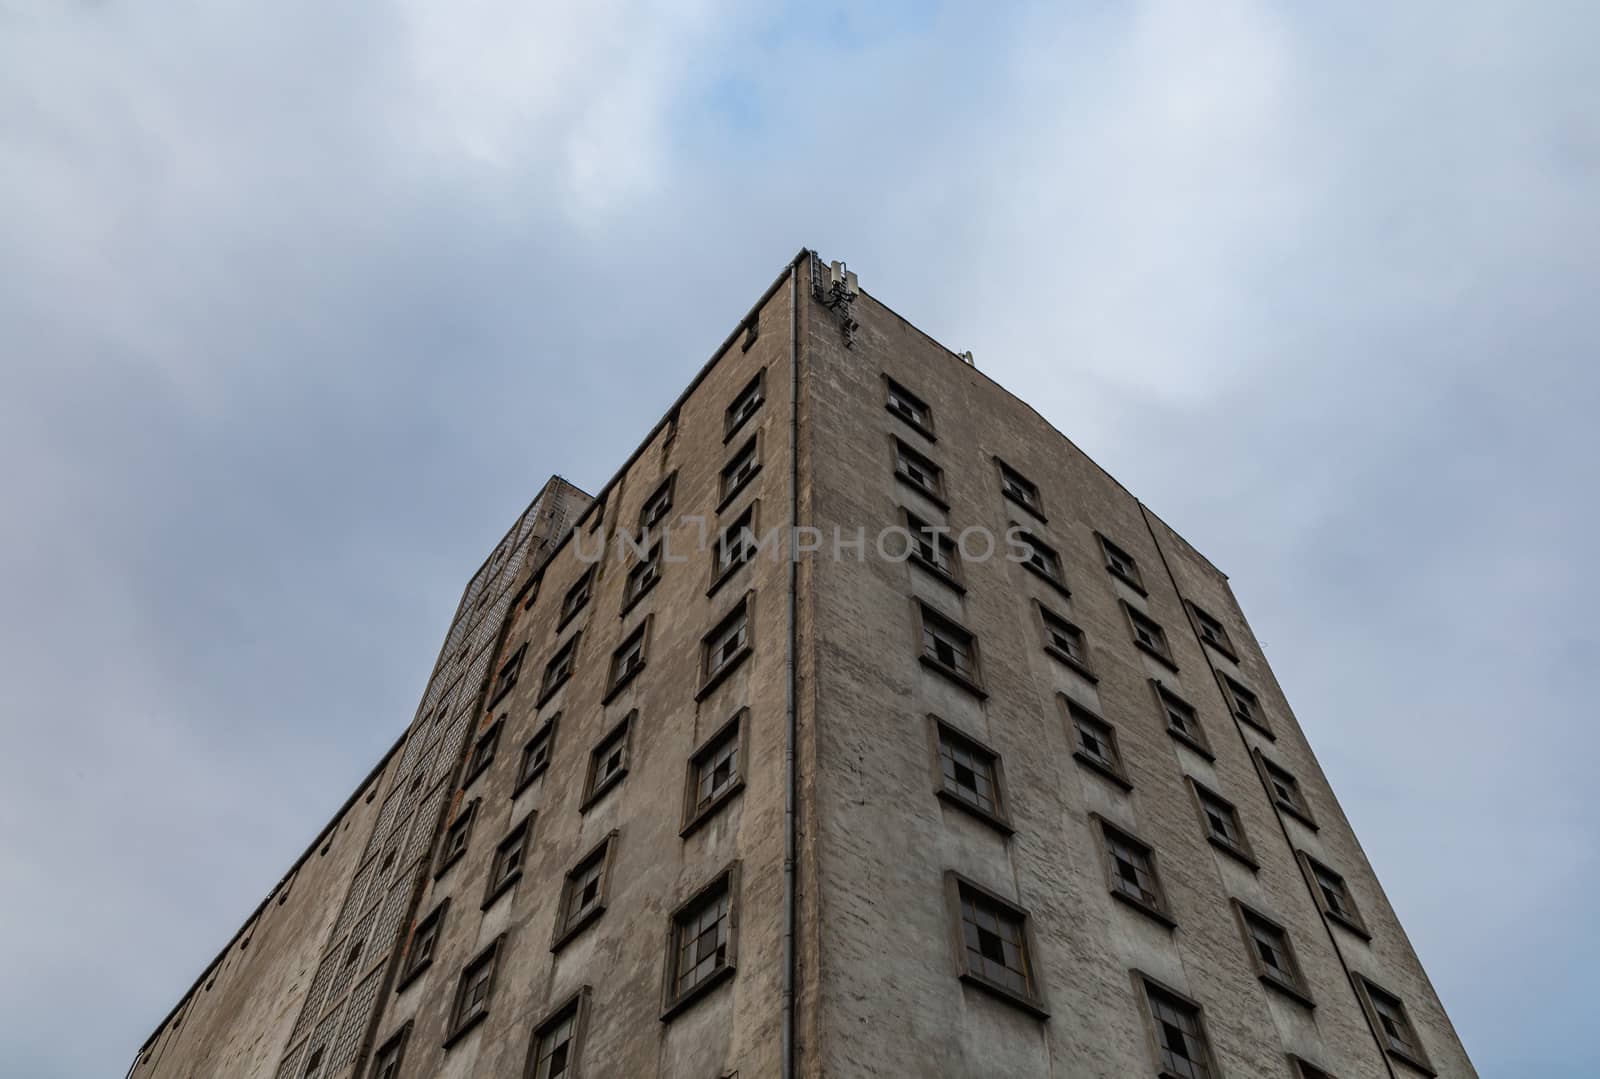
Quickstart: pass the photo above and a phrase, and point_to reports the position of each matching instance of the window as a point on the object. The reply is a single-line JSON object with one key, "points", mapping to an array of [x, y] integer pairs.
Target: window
{"points": [[471, 1003], [536, 754], [949, 649], [597, 513], [387, 1060], [1095, 742], [1149, 636], [1304, 1069], [1121, 564], [483, 751], [1178, 1031], [933, 549], [653, 514], [456, 837], [716, 773], [642, 577], [909, 407], [752, 330], [744, 406], [1272, 953], [419, 956], [740, 471], [1220, 820], [1213, 632], [1246, 705], [703, 943], [1019, 489], [1183, 722], [314, 1063], [1065, 641], [559, 669], [1132, 868], [531, 591], [1285, 791], [505, 869], [1388, 1014], [583, 896], [1333, 896], [969, 775], [628, 660], [1041, 558], [995, 949], [577, 598], [508, 675], [913, 468], [556, 1040], [725, 647], [608, 762], [736, 545]]}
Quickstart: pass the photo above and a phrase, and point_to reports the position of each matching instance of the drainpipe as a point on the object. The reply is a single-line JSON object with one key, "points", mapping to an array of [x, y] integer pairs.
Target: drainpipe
{"points": [[790, 792]]}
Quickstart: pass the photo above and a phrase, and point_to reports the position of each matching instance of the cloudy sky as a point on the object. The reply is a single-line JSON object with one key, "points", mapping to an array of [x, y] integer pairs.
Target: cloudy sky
{"points": [[301, 302]]}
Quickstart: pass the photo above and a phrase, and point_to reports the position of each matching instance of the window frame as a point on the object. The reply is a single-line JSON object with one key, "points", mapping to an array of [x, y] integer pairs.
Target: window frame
{"points": [[1304, 1069], [583, 588], [925, 614], [1197, 739], [651, 560], [1000, 817], [734, 417], [914, 523], [485, 748], [506, 679], [578, 1004], [1301, 810], [411, 969], [1365, 988], [523, 832], [1160, 909], [605, 854], [1035, 508], [694, 815], [1034, 1003], [1111, 553], [1231, 690], [1298, 988], [1203, 619], [893, 389], [1162, 655], [526, 774], [1353, 921], [720, 574], [466, 820], [903, 451], [395, 1043], [458, 1025], [1046, 553], [711, 678], [617, 681], [1241, 851], [729, 489], [1115, 770], [595, 788], [674, 1002], [1145, 989], [666, 489], [548, 686], [1044, 617]]}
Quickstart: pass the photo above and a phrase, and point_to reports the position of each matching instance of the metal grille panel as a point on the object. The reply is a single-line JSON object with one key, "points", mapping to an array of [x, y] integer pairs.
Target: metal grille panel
{"points": [[356, 1017]]}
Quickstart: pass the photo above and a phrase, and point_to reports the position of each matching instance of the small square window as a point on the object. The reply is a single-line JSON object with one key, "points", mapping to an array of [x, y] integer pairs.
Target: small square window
{"points": [[1019, 489], [1246, 705], [703, 943], [424, 939], [505, 869], [641, 578], [1213, 632], [1121, 564], [949, 648], [1095, 742], [995, 950], [1182, 721], [1066, 642], [628, 660], [913, 468], [456, 837], [507, 678], [536, 754], [1131, 865], [969, 775], [471, 1003], [558, 1039], [387, 1060], [1220, 819], [608, 763], [739, 471], [1149, 636], [725, 647], [1333, 896], [933, 549], [483, 751], [1272, 953], [744, 406], [909, 407], [1394, 1022], [653, 514], [577, 598], [1178, 1031], [716, 773], [736, 545], [583, 895], [1285, 791], [559, 669], [1039, 557]]}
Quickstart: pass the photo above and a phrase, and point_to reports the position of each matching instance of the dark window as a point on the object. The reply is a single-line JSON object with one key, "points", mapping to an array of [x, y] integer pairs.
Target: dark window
{"points": [[1148, 635], [1213, 632], [483, 751], [739, 471], [508, 675], [1182, 1048], [655, 509], [725, 646], [995, 950], [554, 1054], [1183, 722], [608, 763], [1120, 563], [1272, 953], [313, 1069], [736, 545], [1221, 821], [1132, 865], [387, 1060], [716, 772], [1064, 640], [909, 407], [536, 754], [1333, 896], [1304, 1069], [506, 867], [1095, 742], [583, 895], [457, 836], [629, 658], [949, 648], [1019, 489], [1040, 557], [1246, 705], [744, 406], [424, 938], [577, 597], [1399, 1036], [703, 943], [933, 548], [918, 471], [642, 577], [559, 669], [970, 774], [1285, 790], [472, 994]]}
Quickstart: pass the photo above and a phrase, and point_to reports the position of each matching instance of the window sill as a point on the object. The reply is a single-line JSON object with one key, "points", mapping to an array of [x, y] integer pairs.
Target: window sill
{"points": [[550, 691], [1129, 581], [1158, 655], [728, 435], [465, 1027], [711, 982], [993, 820], [925, 432], [444, 866], [611, 693], [1411, 1062], [602, 788], [501, 889], [955, 676], [643, 592], [932, 496], [501, 695], [1192, 742], [726, 575], [1296, 813], [702, 815], [1047, 579], [728, 498], [1287, 990], [1257, 726], [1220, 647], [1351, 924], [527, 781], [1072, 661], [1242, 857], [571, 931], [721, 673], [412, 975], [1152, 912], [944, 576], [1033, 1007], [1097, 765], [1033, 512], [566, 619], [472, 777]]}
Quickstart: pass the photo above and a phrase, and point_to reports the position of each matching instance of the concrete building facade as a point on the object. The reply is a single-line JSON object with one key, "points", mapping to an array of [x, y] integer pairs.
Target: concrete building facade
{"points": [[860, 726]]}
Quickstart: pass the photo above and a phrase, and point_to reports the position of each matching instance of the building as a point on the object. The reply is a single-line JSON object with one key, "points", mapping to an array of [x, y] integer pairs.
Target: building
{"points": [[990, 778]]}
